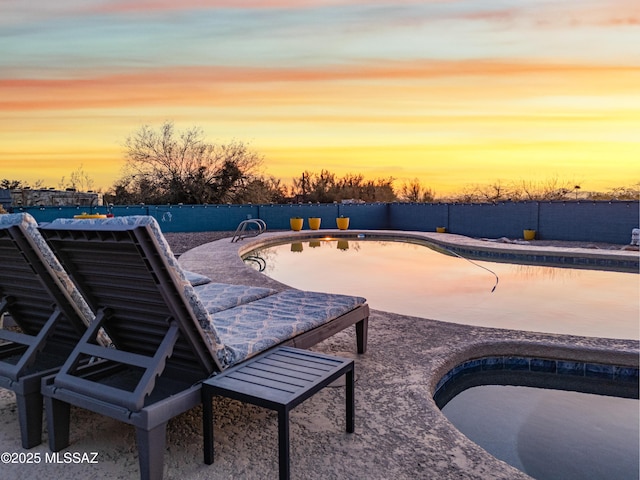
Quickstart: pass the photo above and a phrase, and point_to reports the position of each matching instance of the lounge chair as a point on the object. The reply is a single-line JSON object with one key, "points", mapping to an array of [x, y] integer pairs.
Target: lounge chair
{"points": [[170, 336], [49, 311]]}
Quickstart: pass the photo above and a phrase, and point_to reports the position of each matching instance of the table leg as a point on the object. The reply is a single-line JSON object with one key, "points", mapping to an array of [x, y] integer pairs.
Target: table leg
{"points": [[283, 443], [351, 400]]}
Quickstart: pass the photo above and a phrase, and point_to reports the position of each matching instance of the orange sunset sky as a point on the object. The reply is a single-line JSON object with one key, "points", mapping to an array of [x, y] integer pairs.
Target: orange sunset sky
{"points": [[453, 93]]}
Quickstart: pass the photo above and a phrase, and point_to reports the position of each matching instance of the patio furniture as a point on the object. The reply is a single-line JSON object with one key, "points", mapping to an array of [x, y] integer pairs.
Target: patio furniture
{"points": [[280, 380], [168, 339], [49, 311]]}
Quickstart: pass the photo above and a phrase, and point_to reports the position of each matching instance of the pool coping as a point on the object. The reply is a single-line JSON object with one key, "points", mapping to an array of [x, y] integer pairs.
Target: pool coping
{"points": [[444, 347], [224, 252]]}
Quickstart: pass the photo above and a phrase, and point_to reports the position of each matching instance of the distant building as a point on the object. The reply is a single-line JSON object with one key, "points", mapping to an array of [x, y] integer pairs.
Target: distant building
{"points": [[5, 199], [27, 197]]}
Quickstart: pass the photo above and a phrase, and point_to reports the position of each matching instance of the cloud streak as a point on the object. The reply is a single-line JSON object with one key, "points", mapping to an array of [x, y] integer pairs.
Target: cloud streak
{"points": [[216, 85]]}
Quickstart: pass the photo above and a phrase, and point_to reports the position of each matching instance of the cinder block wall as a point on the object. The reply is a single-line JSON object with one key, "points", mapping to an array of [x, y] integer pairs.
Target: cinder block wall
{"points": [[578, 221]]}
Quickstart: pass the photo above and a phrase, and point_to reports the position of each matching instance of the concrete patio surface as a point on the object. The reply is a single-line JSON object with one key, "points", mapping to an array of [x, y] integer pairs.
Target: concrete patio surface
{"points": [[400, 433]]}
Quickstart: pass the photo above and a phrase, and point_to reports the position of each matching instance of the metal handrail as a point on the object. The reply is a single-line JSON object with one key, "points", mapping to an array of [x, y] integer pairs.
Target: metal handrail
{"points": [[257, 260], [242, 232]]}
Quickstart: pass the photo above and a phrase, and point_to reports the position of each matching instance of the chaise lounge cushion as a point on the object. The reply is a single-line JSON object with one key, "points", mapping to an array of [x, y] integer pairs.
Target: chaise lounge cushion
{"points": [[256, 326], [221, 296], [196, 279]]}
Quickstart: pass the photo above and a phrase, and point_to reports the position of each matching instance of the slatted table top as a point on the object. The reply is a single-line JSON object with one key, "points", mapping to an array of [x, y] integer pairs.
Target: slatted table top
{"points": [[282, 377]]}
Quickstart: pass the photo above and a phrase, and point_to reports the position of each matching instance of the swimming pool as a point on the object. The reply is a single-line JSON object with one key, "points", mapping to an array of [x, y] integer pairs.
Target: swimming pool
{"points": [[551, 433], [423, 280], [549, 418]]}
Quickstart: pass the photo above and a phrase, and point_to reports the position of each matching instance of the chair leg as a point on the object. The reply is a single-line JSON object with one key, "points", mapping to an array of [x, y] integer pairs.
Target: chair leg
{"points": [[30, 417], [207, 427], [362, 330], [151, 446], [58, 416]]}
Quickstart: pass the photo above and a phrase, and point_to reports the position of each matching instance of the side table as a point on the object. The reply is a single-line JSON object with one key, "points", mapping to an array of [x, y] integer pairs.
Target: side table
{"points": [[280, 380]]}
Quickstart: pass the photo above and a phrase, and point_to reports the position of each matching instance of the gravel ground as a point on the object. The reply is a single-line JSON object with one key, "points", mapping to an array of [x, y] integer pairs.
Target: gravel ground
{"points": [[182, 242]]}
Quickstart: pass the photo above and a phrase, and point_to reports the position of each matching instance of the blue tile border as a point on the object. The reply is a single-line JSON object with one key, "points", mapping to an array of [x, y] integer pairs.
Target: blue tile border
{"points": [[570, 368], [544, 365], [517, 363], [555, 260], [599, 371], [625, 373], [492, 363]]}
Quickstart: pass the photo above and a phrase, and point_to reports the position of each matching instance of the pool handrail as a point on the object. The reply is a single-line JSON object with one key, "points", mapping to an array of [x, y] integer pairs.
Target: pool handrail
{"points": [[241, 230]]}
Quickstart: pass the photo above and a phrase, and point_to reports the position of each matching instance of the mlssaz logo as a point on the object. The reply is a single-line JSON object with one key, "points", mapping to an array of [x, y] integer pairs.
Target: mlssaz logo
{"points": [[71, 457]]}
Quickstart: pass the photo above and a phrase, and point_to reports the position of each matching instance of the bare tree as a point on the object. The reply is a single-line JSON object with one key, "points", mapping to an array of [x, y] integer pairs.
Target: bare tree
{"points": [[326, 187], [12, 184], [379, 190], [414, 192], [523, 190], [263, 190], [550, 189], [164, 166], [495, 192], [78, 180], [16, 184], [468, 194], [618, 193]]}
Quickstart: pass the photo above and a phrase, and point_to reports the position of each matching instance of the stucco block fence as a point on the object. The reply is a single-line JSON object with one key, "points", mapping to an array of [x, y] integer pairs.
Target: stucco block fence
{"points": [[573, 221]]}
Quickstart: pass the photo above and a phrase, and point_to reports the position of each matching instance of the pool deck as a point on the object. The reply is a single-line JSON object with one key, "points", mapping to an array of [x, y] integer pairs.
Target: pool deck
{"points": [[400, 433]]}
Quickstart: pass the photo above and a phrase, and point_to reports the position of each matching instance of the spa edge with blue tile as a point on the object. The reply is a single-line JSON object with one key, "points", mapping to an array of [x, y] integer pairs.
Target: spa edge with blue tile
{"points": [[541, 365]]}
